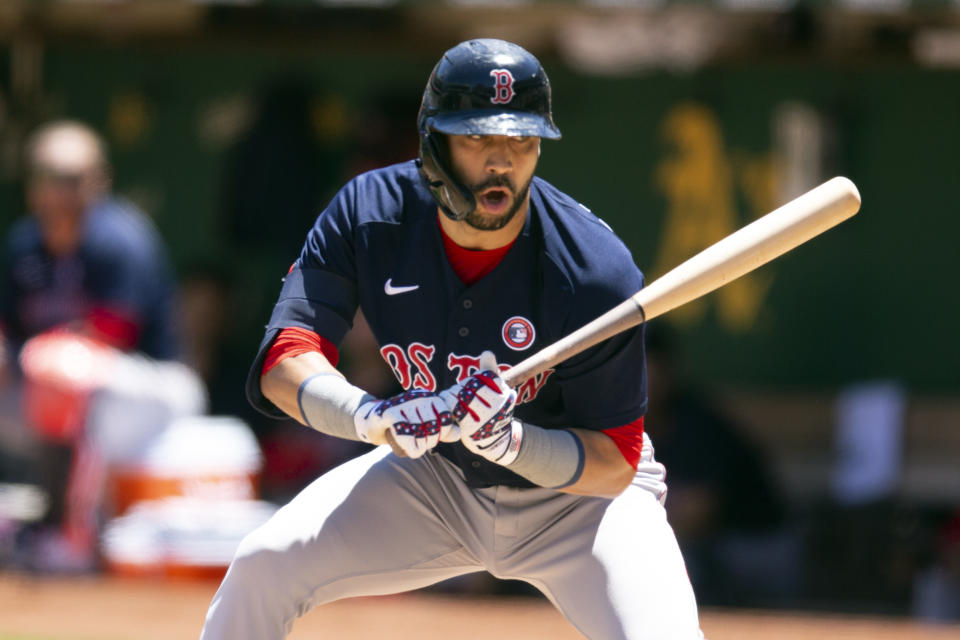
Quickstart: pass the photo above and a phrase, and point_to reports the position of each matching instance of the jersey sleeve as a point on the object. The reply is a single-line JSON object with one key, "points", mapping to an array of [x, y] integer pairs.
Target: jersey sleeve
{"points": [[123, 271], [319, 293], [130, 282]]}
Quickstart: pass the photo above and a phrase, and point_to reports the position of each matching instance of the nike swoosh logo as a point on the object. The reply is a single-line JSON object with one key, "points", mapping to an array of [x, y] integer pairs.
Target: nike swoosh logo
{"points": [[391, 290]]}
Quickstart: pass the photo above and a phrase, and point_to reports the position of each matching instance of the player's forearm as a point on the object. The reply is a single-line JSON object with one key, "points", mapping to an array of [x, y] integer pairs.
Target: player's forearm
{"points": [[282, 383], [606, 473], [570, 460], [308, 388]]}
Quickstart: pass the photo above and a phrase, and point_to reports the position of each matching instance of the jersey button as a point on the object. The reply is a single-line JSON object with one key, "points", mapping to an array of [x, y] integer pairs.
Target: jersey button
{"points": [[468, 304], [464, 332], [475, 464]]}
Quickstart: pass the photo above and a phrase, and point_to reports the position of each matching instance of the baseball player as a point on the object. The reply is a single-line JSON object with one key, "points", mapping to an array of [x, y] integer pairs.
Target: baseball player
{"points": [[83, 262], [84, 258], [463, 262]]}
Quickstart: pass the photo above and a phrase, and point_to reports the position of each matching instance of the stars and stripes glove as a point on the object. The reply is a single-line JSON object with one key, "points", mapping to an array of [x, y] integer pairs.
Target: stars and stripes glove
{"points": [[417, 419], [484, 411]]}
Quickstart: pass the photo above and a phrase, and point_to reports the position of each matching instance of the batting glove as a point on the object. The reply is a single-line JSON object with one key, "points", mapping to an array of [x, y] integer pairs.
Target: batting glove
{"points": [[484, 411], [416, 419]]}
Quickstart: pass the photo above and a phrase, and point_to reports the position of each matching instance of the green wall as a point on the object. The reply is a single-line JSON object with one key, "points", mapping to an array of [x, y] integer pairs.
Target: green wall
{"points": [[874, 297]]}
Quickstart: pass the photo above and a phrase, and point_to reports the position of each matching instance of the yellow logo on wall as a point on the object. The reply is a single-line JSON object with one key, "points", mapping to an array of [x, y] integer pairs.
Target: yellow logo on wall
{"points": [[702, 180], [128, 118]]}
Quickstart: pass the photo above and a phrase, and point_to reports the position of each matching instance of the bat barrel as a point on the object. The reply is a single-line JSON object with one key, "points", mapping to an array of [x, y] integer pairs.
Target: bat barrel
{"points": [[739, 253], [764, 239]]}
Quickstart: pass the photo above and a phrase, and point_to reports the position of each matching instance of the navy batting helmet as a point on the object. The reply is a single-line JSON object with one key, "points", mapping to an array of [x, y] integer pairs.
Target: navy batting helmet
{"points": [[479, 87]]}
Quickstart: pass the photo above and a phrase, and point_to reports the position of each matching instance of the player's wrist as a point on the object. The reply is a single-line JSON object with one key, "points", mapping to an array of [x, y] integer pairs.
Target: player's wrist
{"points": [[506, 447], [329, 404], [365, 423], [483, 408], [550, 458]]}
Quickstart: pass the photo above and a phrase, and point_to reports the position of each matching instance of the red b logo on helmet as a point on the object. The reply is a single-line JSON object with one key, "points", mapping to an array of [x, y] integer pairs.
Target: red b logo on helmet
{"points": [[502, 86]]}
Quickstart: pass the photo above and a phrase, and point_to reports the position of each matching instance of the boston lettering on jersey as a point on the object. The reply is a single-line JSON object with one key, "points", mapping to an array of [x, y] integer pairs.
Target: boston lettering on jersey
{"points": [[411, 366], [378, 246]]}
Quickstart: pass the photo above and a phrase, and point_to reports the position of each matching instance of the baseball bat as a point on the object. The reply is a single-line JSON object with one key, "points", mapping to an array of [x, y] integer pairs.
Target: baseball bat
{"points": [[764, 239]]}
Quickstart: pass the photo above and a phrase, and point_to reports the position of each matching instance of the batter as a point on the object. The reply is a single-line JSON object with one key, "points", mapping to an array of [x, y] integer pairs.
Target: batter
{"points": [[463, 263]]}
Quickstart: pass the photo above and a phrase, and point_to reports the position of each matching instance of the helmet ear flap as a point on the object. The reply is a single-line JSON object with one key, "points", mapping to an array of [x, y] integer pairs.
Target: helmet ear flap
{"points": [[455, 200]]}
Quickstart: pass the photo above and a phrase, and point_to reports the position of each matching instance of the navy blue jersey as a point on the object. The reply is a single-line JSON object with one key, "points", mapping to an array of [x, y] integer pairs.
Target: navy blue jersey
{"points": [[120, 265], [378, 245]]}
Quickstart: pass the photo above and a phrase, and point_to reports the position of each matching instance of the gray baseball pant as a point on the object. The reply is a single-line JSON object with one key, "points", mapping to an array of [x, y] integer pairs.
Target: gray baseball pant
{"points": [[380, 524]]}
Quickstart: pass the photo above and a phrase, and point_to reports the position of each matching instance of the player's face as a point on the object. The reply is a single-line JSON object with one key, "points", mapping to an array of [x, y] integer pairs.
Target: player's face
{"points": [[58, 202], [498, 169]]}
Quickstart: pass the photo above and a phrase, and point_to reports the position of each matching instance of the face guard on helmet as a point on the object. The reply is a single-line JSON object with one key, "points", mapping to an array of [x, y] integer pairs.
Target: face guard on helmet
{"points": [[479, 87]]}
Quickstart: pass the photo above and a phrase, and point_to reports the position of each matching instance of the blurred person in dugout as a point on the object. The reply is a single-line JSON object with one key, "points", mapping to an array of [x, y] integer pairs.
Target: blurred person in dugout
{"points": [[88, 372], [936, 588], [724, 505]]}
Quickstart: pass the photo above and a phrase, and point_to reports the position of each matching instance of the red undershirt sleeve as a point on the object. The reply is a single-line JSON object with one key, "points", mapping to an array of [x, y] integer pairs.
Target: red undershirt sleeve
{"points": [[629, 439], [113, 327], [294, 341]]}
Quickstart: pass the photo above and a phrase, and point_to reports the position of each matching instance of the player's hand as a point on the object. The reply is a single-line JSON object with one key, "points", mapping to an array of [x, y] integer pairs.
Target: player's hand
{"points": [[484, 411], [411, 422]]}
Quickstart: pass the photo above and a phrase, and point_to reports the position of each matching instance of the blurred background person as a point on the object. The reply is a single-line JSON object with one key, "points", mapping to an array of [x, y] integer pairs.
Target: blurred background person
{"points": [[723, 503], [83, 257], [283, 169], [84, 277], [274, 180], [936, 593]]}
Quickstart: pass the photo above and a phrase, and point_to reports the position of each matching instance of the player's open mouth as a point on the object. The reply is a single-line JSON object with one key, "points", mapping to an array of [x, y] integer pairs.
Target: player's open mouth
{"points": [[495, 200]]}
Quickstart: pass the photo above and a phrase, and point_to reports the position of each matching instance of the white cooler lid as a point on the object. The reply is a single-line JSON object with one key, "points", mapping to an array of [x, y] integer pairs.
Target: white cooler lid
{"points": [[198, 445]]}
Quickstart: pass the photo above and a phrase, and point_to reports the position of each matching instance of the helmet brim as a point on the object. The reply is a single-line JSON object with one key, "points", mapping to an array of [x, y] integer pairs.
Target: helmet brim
{"points": [[495, 123]]}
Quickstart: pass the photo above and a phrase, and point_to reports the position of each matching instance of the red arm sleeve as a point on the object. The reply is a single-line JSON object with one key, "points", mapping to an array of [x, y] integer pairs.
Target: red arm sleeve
{"points": [[293, 341], [629, 439]]}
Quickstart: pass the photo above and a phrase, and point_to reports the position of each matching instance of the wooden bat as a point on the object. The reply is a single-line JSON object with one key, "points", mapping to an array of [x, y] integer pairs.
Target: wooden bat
{"points": [[741, 252], [756, 244]]}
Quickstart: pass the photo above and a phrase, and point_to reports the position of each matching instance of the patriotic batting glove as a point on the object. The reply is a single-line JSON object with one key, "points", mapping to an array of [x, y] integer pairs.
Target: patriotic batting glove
{"points": [[417, 419], [484, 411]]}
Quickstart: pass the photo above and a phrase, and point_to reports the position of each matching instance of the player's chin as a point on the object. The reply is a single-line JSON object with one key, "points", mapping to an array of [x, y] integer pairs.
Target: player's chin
{"points": [[492, 216], [484, 221]]}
